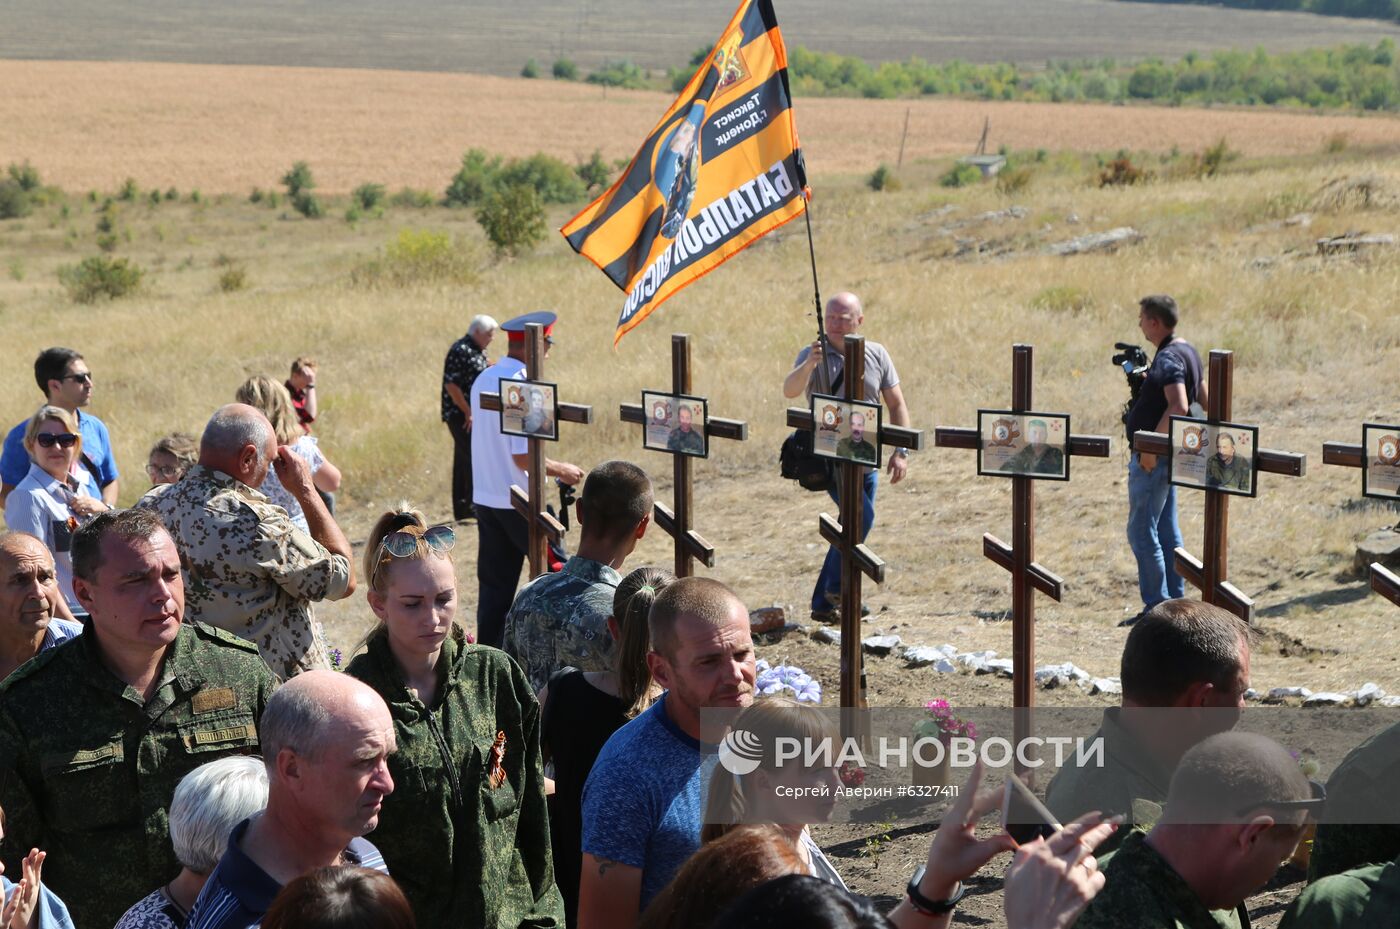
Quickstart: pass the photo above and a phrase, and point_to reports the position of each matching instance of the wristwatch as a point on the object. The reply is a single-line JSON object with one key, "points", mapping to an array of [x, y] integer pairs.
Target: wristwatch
{"points": [[902, 452], [931, 907]]}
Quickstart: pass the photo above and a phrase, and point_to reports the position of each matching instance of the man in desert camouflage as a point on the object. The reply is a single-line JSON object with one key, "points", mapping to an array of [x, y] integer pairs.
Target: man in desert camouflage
{"points": [[96, 733], [248, 570]]}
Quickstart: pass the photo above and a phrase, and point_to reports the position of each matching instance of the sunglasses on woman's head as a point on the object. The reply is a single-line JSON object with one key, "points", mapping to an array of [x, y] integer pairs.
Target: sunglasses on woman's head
{"points": [[61, 439], [403, 544]]}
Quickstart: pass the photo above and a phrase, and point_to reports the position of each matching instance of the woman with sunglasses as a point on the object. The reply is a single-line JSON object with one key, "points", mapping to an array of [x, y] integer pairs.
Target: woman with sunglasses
{"points": [[465, 832], [57, 495]]}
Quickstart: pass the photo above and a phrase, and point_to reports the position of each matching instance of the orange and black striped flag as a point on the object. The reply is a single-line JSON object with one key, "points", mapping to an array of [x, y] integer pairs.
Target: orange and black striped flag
{"points": [[720, 169]]}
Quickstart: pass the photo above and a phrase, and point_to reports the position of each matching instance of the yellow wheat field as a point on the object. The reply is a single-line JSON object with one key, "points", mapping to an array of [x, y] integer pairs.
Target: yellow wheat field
{"points": [[227, 128]]}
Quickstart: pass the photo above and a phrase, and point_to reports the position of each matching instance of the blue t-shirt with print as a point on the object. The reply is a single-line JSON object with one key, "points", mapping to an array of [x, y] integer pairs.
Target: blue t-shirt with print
{"points": [[644, 802]]}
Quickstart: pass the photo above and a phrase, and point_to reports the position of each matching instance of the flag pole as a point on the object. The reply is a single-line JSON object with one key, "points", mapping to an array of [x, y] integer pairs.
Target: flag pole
{"points": [[817, 294]]}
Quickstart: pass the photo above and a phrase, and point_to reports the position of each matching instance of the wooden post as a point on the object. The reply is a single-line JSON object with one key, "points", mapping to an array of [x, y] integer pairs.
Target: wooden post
{"points": [[1211, 574], [544, 528], [1027, 575], [857, 560], [689, 544], [1385, 582]]}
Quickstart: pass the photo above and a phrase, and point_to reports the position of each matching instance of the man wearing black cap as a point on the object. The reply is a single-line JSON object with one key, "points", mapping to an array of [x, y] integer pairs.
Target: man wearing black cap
{"points": [[498, 461]]}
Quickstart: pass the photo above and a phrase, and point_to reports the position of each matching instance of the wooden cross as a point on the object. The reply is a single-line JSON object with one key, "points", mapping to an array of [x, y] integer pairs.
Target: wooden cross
{"points": [[1210, 575], [1350, 455], [1027, 575], [544, 528], [689, 544], [856, 558]]}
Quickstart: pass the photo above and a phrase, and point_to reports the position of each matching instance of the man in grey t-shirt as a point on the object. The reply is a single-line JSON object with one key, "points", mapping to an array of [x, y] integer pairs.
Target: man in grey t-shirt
{"points": [[820, 372]]}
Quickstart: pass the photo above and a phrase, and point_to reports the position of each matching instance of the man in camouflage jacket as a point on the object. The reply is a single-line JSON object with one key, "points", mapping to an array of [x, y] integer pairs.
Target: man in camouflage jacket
{"points": [[96, 733], [248, 570]]}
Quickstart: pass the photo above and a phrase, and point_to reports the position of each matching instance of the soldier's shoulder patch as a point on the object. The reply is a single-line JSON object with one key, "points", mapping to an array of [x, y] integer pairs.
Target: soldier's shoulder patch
{"points": [[211, 699], [219, 636]]}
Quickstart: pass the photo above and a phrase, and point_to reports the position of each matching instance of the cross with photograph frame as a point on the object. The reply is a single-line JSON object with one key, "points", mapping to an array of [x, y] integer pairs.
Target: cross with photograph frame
{"points": [[857, 560], [1352, 455], [689, 544], [544, 527], [1210, 575], [1027, 575]]}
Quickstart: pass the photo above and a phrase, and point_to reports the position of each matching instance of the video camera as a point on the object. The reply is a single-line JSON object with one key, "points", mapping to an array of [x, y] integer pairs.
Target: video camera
{"points": [[1133, 360], [567, 495]]}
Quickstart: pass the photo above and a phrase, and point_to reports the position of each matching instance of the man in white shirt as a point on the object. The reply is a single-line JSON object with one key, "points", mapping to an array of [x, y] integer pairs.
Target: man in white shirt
{"points": [[498, 461]]}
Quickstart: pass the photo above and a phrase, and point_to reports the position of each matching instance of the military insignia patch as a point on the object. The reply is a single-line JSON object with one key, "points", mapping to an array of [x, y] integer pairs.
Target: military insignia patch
{"points": [[496, 773], [211, 699]]}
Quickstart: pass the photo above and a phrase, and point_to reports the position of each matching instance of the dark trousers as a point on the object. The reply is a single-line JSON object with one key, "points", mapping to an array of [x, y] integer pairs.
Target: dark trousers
{"points": [[461, 469], [503, 544]]}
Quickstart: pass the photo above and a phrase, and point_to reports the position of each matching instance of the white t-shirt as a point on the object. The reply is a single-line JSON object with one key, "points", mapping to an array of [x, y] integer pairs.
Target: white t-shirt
{"points": [[306, 449], [493, 469]]}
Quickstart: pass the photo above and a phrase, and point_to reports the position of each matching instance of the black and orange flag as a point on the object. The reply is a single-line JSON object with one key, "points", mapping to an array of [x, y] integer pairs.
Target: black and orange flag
{"points": [[720, 169]]}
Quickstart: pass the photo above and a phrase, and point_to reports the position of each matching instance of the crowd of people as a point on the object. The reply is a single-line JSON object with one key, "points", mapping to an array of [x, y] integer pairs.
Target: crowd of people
{"points": [[179, 746]]}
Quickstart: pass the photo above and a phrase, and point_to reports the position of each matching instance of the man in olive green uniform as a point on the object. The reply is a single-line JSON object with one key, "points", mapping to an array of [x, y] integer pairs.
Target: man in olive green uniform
{"points": [[1363, 809], [685, 437], [96, 733], [855, 447], [1225, 468], [1184, 671], [1235, 809], [1356, 899]]}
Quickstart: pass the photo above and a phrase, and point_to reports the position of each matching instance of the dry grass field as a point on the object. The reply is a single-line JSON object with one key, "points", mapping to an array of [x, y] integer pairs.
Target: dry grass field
{"points": [[227, 129], [498, 37]]}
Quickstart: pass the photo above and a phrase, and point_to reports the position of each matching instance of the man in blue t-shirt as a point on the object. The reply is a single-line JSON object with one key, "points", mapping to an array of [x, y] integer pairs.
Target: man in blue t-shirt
{"points": [[1173, 383], [66, 381], [643, 804]]}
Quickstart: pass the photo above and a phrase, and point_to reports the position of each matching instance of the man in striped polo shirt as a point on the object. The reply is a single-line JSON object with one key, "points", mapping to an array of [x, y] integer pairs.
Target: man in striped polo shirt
{"points": [[326, 741]]}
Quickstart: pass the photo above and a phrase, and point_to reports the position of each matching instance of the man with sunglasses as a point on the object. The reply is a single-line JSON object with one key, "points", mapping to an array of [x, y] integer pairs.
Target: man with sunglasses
{"points": [[1235, 811], [66, 382]]}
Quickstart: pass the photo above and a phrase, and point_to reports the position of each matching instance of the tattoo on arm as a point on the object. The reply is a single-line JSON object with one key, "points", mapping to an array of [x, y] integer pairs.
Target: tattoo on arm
{"points": [[604, 865]]}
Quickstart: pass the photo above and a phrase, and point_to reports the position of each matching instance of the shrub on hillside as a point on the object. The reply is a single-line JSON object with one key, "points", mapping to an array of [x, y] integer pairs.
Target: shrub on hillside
{"points": [[368, 197], [26, 176], [1121, 172], [298, 179], [961, 175], [474, 179], [513, 217], [882, 178], [553, 180], [1012, 181], [595, 172], [565, 70], [531, 70], [1209, 162], [417, 257], [619, 74], [307, 205], [128, 191], [14, 200], [100, 277], [172, 194], [233, 278], [410, 198]]}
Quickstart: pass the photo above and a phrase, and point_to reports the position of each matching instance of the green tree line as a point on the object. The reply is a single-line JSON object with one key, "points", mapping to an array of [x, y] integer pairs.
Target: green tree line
{"points": [[1349, 77], [1362, 9]]}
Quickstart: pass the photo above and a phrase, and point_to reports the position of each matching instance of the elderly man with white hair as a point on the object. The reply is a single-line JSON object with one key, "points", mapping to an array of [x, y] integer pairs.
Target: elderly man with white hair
{"points": [[209, 802], [326, 742], [248, 569], [465, 360]]}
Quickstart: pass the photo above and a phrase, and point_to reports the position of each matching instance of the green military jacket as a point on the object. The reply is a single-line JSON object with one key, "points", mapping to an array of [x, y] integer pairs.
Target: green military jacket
{"points": [[466, 854], [1359, 899], [1363, 809], [1131, 781], [1143, 892], [88, 770]]}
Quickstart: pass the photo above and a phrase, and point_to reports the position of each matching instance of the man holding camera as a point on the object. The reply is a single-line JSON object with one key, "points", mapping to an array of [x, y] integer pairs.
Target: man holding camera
{"points": [[1173, 382]]}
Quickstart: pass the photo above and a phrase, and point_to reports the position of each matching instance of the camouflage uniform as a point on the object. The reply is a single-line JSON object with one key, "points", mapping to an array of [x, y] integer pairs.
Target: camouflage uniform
{"points": [[87, 769], [248, 569], [561, 619], [1130, 782], [465, 854], [1363, 810], [1357, 899], [1142, 891]]}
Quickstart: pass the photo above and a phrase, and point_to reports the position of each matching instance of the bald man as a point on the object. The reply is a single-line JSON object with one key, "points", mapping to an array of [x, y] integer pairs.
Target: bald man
{"points": [[818, 371], [30, 602], [326, 741], [248, 569]]}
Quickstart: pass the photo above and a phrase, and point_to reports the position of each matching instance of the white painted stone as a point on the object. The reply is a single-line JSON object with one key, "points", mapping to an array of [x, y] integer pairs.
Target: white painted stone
{"points": [[1284, 693], [1326, 699], [1368, 693], [1001, 666], [921, 656], [1389, 701], [880, 645], [1105, 685], [829, 636]]}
